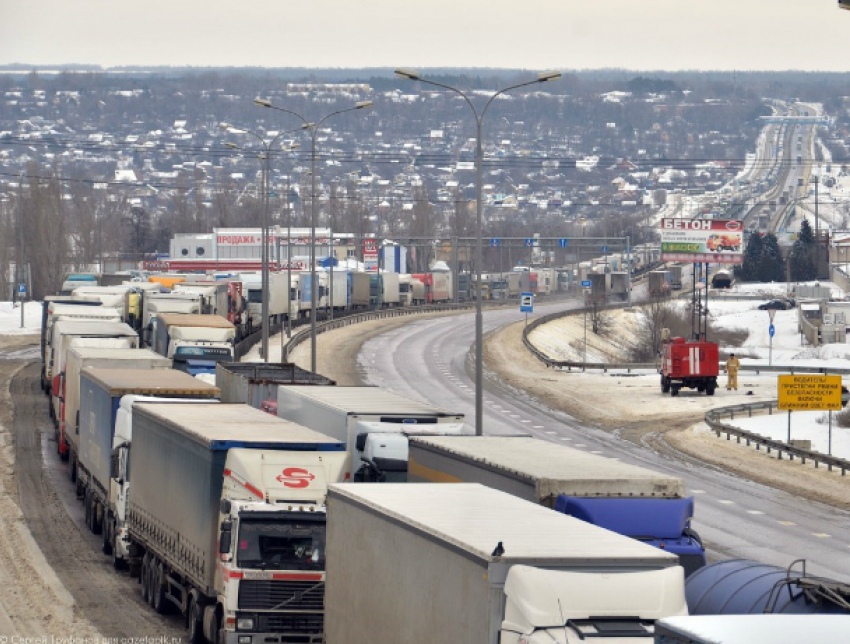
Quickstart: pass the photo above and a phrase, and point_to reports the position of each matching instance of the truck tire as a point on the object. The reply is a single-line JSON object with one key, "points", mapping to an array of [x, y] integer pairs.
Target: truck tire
{"points": [[709, 389], [193, 622], [674, 390], [159, 602], [72, 470], [87, 509], [665, 385], [96, 516], [143, 577], [106, 536]]}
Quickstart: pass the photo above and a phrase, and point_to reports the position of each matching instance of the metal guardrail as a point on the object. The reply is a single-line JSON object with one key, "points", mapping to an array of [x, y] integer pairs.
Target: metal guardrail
{"points": [[712, 419]]}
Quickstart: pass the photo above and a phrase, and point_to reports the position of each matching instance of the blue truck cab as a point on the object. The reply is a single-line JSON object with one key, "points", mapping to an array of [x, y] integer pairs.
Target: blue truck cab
{"points": [[663, 523]]}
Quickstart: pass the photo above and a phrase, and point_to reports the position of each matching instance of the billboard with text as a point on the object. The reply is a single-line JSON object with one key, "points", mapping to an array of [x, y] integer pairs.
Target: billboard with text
{"points": [[716, 241]]}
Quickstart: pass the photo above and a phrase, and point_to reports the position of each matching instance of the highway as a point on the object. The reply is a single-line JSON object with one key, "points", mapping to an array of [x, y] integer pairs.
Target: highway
{"points": [[737, 518]]}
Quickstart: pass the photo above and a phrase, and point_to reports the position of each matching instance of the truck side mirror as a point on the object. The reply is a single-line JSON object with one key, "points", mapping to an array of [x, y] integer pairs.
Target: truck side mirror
{"points": [[225, 506], [226, 537], [360, 441]]}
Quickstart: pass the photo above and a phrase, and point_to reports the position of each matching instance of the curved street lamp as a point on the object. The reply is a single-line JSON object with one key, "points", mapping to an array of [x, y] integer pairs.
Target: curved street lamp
{"points": [[264, 102], [265, 159], [542, 77]]}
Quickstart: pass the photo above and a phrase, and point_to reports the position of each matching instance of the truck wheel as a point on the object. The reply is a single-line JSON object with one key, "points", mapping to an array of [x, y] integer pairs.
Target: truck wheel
{"points": [[693, 534], [674, 391], [96, 517], [106, 537], [144, 578], [709, 390], [87, 509], [72, 471], [159, 602], [193, 622], [665, 385]]}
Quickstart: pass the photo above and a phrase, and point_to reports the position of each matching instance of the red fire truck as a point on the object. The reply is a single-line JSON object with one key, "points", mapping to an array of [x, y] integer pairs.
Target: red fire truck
{"points": [[691, 364]]}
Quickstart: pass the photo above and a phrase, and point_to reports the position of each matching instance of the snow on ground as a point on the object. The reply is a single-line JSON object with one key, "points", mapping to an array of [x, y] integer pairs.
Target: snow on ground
{"points": [[10, 318], [805, 425]]}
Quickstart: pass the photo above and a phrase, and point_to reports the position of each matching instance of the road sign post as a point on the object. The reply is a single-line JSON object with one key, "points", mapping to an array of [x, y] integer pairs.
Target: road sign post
{"points": [[22, 294], [771, 330]]}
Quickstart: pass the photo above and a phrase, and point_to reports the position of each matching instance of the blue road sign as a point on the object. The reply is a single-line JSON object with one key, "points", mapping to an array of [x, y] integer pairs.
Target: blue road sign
{"points": [[604, 249], [526, 303], [529, 242], [771, 330], [586, 283], [495, 242], [562, 243], [22, 289]]}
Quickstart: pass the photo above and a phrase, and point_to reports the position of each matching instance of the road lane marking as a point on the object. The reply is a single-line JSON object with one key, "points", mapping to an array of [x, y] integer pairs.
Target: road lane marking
{"points": [[596, 451], [580, 445], [786, 523], [726, 502], [525, 421], [697, 491], [537, 426], [754, 512], [551, 433], [821, 535]]}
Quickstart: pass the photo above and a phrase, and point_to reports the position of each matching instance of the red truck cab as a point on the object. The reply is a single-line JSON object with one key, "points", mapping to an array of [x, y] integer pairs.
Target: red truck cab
{"points": [[691, 364]]}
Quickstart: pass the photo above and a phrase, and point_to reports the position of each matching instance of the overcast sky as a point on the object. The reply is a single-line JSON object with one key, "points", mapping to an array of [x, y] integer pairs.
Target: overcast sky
{"points": [[531, 34]]}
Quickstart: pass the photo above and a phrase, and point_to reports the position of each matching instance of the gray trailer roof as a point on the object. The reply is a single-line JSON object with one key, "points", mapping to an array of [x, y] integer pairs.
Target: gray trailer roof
{"points": [[195, 320], [473, 519], [366, 400], [93, 327], [220, 426], [118, 353], [555, 469], [149, 381]]}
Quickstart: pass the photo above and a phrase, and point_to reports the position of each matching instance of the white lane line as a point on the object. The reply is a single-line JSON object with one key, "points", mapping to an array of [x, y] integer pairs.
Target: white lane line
{"points": [[596, 451], [537, 426], [525, 421], [697, 491], [725, 502], [786, 523], [551, 433], [821, 535], [505, 411], [754, 512], [580, 445]]}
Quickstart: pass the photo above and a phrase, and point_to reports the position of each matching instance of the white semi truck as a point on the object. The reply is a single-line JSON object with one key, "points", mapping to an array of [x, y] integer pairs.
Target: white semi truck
{"points": [[194, 342], [465, 563], [227, 520], [374, 423]]}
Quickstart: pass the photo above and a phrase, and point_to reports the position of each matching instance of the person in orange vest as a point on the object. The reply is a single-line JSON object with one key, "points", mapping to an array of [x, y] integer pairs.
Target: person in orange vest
{"points": [[732, 366]]}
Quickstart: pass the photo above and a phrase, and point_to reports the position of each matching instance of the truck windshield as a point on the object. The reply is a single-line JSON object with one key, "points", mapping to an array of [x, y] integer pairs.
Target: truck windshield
{"points": [[202, 353], [279, 545]]}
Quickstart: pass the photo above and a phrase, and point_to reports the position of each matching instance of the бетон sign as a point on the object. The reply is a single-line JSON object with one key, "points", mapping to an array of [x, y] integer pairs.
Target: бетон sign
{"points": [[718, 241]]}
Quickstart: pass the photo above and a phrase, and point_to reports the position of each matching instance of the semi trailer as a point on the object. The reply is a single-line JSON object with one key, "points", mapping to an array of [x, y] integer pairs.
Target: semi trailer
{"points": [[466, 563], [630, 500], [194, 342], [227, 520], [374, 423]]}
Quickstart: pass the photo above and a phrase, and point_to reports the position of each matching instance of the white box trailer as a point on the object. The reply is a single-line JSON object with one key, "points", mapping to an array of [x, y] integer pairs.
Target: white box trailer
{"points": [[465, 563], [78, 359], [374, 423], [390, 286], [339, 287]]}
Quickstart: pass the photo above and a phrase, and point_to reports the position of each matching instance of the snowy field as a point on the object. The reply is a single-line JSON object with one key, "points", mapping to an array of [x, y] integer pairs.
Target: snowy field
{"points": [[10, 318], [805, 425]]}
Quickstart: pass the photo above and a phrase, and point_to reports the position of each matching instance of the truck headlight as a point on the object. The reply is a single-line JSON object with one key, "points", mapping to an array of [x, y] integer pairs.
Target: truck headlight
{"points": [[245, 624]]}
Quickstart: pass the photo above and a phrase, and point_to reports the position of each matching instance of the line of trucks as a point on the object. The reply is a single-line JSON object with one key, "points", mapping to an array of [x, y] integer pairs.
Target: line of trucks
{"points": [[275, 506]]}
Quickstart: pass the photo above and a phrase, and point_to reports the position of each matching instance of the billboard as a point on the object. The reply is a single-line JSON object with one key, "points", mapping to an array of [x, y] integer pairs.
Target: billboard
{"points": [[717, 241], [813, 392]]}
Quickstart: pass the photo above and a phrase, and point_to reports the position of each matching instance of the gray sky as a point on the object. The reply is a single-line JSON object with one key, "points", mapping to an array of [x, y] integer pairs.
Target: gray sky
{"points": [[532, 34]]}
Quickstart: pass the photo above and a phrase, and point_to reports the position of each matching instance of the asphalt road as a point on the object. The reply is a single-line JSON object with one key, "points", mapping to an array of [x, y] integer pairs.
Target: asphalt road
{"points": [[737, 518]]}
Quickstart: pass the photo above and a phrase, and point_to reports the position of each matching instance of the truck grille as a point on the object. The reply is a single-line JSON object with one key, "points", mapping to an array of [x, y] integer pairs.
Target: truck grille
{"points": [[262, 594], [303, 623]]}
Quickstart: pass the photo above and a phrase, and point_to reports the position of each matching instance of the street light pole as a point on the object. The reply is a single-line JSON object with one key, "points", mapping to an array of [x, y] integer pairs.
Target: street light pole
{"points": [[265, 158], [543, 77], [314, 127]]}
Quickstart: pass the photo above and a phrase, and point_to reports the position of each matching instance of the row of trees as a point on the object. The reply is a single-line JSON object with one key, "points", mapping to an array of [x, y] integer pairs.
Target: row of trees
{"points": [[763, 260]]}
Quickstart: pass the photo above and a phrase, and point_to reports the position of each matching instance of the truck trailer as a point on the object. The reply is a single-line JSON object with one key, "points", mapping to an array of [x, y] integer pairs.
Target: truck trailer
{"points": [[466, 563], [227, 520], [753, 629], [256, 383], [194, 342], [627, 499], [374, 423], [92, 455], [68, 406]]}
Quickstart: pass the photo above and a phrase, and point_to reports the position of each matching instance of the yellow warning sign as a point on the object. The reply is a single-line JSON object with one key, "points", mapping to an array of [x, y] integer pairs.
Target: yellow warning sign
{"points": [[812, 392]]}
